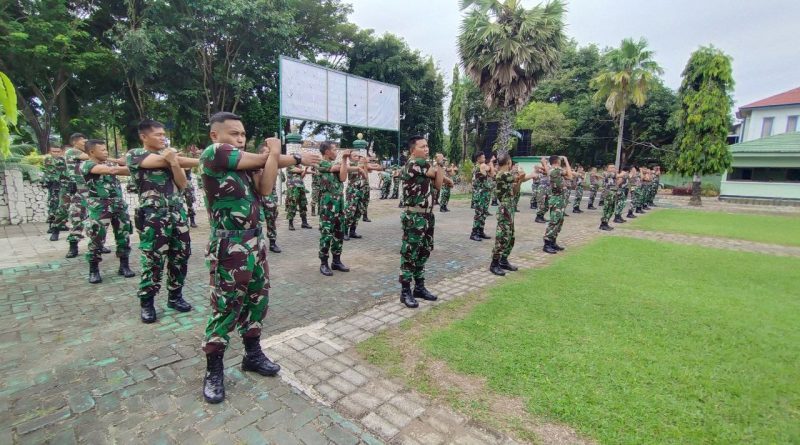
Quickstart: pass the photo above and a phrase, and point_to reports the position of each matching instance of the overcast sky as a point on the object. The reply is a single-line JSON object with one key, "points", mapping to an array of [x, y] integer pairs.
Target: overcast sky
{"points": [[761, 36]]}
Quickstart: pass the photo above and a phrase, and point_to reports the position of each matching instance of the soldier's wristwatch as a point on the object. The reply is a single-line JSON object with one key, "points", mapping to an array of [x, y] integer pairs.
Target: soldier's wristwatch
{"points": [[297, 158]]}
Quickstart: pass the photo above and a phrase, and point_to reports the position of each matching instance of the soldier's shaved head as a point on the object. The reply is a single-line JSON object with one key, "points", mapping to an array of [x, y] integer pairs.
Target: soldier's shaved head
{"points": [[227, 128]]}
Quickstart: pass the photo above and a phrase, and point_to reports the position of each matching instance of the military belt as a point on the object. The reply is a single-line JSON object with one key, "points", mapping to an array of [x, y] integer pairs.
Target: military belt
{"points": [[248, 233], [419, 209]]}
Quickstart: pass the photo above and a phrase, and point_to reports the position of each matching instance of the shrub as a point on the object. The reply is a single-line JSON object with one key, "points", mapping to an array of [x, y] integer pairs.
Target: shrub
{"points": [[682, 191], [466, 171], [709, 190]]}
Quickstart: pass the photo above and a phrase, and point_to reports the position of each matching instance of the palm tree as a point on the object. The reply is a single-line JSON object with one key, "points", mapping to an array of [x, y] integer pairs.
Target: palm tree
{"points": [[507, 49], [629, 73]]}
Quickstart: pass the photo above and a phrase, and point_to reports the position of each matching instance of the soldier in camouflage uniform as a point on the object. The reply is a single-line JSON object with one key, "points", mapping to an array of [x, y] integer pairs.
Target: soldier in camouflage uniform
{"points": [[535, 187], [53, 169], [508, 182], [422, 180], [76, 191], [579, 178], [543, 195], [367, 189], [355, 197], [634, 190], [610, 182], [296, 201], [332, 220], [444, 196], [269, 204], [385, 184], [190, 197], [105, 206], [621, 195], [594, 183], [557, 175], [158, 175], [482, 195], [395, 181], [234, 181], [314, 189]]}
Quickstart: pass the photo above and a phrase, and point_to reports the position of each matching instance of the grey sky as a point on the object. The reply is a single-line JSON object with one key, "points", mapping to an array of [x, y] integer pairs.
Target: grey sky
{"points": [[761, 36]]}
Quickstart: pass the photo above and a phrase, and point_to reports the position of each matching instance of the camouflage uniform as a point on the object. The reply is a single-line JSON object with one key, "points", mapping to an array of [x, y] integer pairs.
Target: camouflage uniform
{"points": [[622, 195], [543, 196], [367, 191], [106, 206], [535, 191], [610, 190], [189, 194], [481, 195], [314, 193], [386, 184], [331, 211], [162, 226], [444, 194], [355, 198], [555, 204], [417, 220], [395, 183], [504, 236], [593, 186], [51, 178], [269, 204], [296, 201], [77, 193], [568, 184], [236, 255], [635, 191], [578, 191], [655, 186]]}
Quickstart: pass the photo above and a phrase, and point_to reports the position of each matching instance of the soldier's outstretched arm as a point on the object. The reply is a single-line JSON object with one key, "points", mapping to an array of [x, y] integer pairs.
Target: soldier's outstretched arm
{"points": [[345, 167], [266, 182]]}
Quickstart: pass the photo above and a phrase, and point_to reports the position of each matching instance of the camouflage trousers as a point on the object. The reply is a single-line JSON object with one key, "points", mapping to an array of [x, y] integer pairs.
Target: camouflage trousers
{"points": [[444, 196], [482, 199], [356, 205], [190, 198], [331, 224], [77, 216], [535, 193], [556, 206], [395, 188], [239, 280], [53, 195], [417, 244], [621, 198], [542, 197], [386, 189], [314, 199], [101, 214], [296, 202], [516, 201], [565, 199], [636, 196], [578, 197], [62, 210], [609, 205], [163, 238], [504, 236], [271, 218], [604, 194], [592, 194]]}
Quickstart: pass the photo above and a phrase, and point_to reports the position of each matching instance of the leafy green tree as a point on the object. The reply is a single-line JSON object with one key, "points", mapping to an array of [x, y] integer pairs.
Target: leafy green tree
{"points": [[455, 114], [507, 50], [550, 129], [8, 113], [704, 116], [629, 73]]}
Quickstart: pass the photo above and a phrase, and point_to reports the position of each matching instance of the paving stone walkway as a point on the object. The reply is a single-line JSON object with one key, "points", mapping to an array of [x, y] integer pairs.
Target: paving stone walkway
{"points": [[79, 367]]}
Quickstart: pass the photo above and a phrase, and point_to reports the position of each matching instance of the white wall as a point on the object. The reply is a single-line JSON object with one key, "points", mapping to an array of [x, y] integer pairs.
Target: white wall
{"points": [[753, 122]]}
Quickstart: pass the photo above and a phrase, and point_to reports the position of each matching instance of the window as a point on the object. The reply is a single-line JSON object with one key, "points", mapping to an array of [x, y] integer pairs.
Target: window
{"points": [[765, 174], [766, 127], [791, 124]]}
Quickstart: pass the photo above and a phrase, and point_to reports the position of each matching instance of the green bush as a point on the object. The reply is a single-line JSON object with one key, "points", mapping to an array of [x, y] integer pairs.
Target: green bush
{"points": [[466, 171], [33, 158], [709, 190]]}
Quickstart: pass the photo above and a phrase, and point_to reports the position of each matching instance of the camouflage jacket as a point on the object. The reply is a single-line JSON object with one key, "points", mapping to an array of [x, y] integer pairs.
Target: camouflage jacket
{"points": [[417, 186], [155, 186], [53, 169], [609, 181], [294, 179], [102, 188], [355, 180], [329, 183], [230, 194], [505, 188], [556, 181], [73, 174], [480, 182]]}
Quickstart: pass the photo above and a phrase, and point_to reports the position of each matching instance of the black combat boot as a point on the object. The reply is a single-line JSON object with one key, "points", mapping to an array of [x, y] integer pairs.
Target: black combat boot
{"points": [[273, 246], [214, 381], [305, 224], [556, 246], [639, 210], [618, 219], [366, 218], [645, 207], [254, 359], [474, 236], [540, 219], [54, 235], [94, 272], [124, 267], [148, 312], [630, 214], [483, 235], [421, 292], [192, 224], [601, 203], [323, 267], [291, 224], [105, 250], [591, 206], [175, 301], [406, 297], [337, 264], [73, 249], [533, 205], [346, 236], [353, 233], [606, 227], [504, 264], [576, 210], [548, 247], [495, 268]]}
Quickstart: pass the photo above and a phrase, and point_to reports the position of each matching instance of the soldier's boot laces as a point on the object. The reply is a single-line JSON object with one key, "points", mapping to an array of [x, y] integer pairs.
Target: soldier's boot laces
{"points": [[73, 249], [291, 224], [630, 214], [323, 267], [214, 381], [337, 264], [105, 250], [148, 312], [305, 224], [606, 227], [504, 264], [353, 233], [406, 297], [176, 301], [474, 236], [548, 247], [124, 267], [540, 219], [421, 292], [483, 235], [192, 224], [618, 219], [366, 218], [254, 359], [273, 246], [94, 272], [495, 268]]}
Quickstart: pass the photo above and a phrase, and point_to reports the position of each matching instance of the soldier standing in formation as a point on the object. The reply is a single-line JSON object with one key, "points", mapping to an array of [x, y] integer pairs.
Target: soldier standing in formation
{"points": [[621, 195], [396, 171], [634, 188], [355, 196], [332, 221], [543, 195], [105, 206], [314, 189], [481, 182], [610, 181], [422, 180], [53, 171], [159, 178], [535, 187], [190, 197], [557, 175], [385, 183], [76, 192], [594, 183], [296, 201], [444, 196], [508, 184], [579, 178]]}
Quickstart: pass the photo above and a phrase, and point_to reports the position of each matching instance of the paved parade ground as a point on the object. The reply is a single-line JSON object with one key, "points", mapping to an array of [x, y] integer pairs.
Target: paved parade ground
{"points": [[79, 366]]}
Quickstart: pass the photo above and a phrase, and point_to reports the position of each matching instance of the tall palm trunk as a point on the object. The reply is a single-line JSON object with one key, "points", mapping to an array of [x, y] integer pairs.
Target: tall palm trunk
{"points": [[619, 139], [504, 131], [695, 199]]}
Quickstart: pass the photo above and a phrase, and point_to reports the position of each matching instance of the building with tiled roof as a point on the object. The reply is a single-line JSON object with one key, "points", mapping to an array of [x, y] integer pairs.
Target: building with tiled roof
{"points": [[770, 116]]}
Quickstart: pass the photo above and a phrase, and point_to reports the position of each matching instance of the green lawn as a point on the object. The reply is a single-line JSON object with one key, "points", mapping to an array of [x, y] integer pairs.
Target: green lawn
{"points": [[640, 342], [761, 228]]}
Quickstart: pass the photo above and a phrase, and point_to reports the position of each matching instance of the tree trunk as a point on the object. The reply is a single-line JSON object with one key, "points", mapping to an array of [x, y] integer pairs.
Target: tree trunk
{"points": [[619, 139], [503, 132], [695, 200]]}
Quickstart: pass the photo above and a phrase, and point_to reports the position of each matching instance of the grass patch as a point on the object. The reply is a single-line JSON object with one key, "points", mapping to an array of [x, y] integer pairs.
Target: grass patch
{"points": [[631, 349], [772, 229]]}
